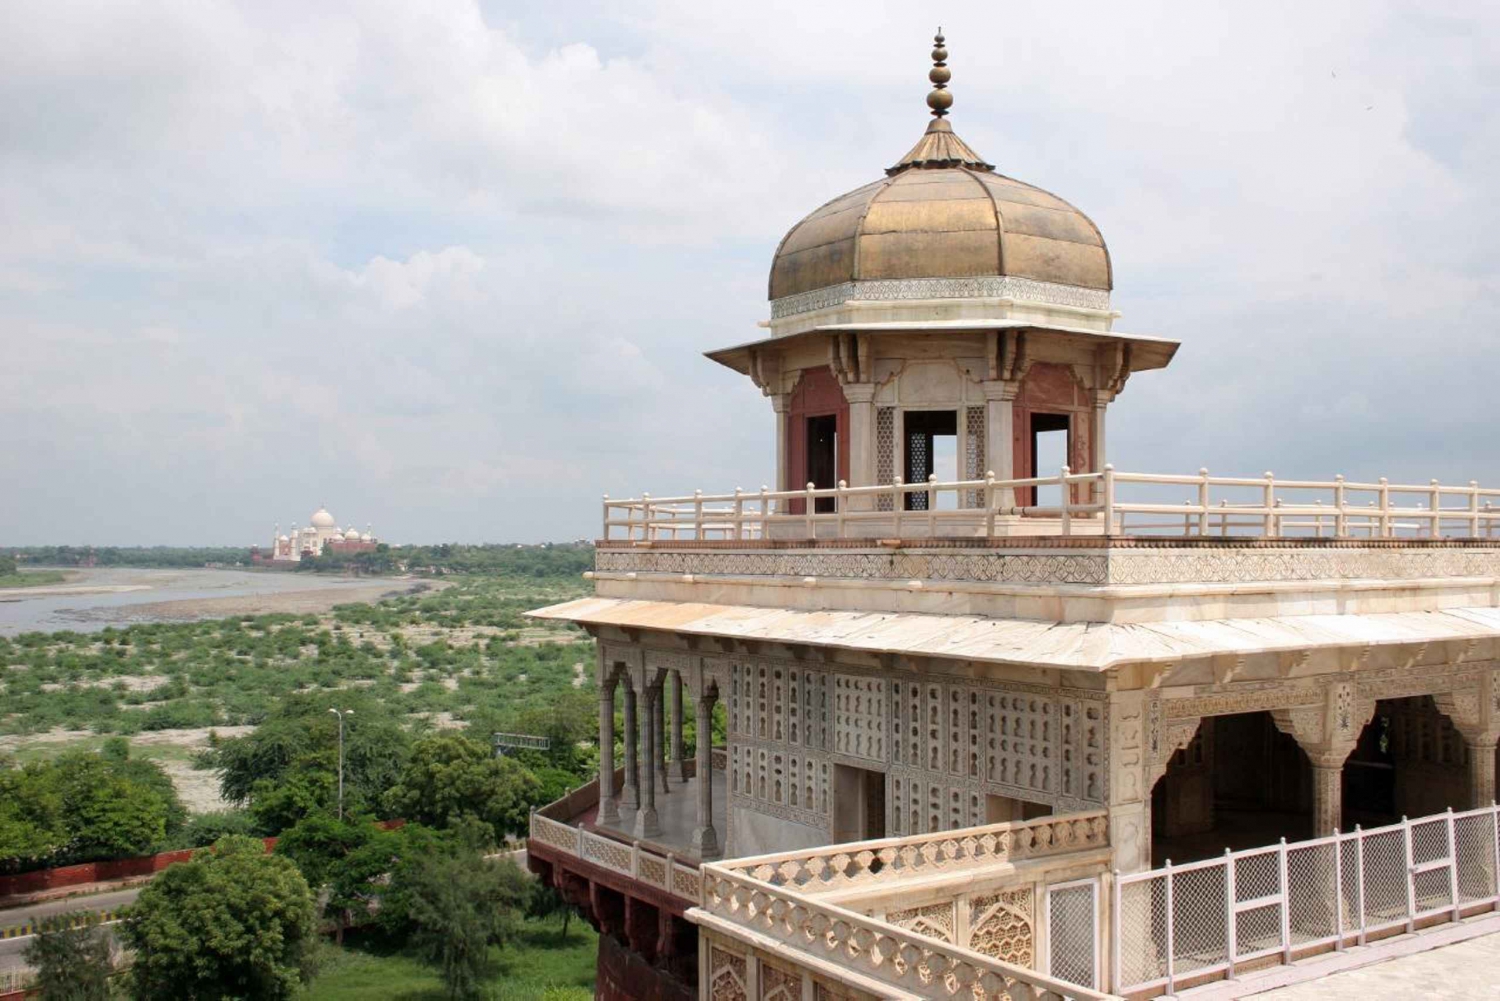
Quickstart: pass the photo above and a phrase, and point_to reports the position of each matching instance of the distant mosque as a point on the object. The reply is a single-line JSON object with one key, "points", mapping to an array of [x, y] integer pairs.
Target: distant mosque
{"points": [[321, 535]]}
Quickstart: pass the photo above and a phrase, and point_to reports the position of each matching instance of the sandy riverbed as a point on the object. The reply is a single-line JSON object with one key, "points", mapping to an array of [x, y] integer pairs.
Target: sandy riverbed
{"points": [[296, 602]]}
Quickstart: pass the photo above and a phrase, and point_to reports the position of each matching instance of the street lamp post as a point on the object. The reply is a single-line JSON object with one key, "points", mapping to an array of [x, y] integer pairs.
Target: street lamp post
{"points": [[341, 714]]}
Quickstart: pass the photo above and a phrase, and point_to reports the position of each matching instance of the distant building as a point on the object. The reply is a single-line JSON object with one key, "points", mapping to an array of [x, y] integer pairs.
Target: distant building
{"points": [[322, 534]]}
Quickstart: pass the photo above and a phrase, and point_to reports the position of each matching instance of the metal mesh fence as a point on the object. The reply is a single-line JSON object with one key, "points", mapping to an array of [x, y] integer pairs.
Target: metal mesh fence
{"points": [[1072, 927], [1474, 842], [1287, 896], [1384, 877], [1311, 874], [1198, 919], [1141, 926]]}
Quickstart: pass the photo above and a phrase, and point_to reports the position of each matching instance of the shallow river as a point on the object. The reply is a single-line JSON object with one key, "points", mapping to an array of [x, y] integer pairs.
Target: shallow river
{"points": [[92, 599]]}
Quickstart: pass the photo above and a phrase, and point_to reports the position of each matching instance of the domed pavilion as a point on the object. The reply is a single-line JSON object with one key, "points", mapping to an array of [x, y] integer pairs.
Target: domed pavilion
{"points": [[944, 320]]}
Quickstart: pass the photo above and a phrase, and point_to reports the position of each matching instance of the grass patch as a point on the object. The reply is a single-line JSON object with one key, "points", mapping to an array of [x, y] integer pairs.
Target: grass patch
{"points": [[539, 965], [32, 578]]}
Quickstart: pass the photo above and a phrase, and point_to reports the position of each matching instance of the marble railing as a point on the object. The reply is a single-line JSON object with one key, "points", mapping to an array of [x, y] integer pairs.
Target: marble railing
{"points": [[662, 871], [843, 867], [1090, 503], [914, 964]]}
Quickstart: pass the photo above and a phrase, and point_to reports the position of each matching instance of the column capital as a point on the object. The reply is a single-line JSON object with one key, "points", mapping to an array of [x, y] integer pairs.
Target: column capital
{"points": [[859, 392], [1001, 389]]}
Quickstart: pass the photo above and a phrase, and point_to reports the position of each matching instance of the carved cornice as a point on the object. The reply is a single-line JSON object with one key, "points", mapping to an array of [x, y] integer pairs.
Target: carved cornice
{"points": [[898, 289]]}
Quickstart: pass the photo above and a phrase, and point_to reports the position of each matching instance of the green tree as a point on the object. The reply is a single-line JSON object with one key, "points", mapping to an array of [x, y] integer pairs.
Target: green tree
{"points": [[108, 815], [451, 776], [299, 737], [232, 923], [31, 814], [71, 956], [347, 858], [452, 904]]}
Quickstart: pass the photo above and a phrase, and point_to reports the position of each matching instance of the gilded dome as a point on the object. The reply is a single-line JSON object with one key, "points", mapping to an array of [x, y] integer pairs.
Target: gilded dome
{"points": [[941, 212]]}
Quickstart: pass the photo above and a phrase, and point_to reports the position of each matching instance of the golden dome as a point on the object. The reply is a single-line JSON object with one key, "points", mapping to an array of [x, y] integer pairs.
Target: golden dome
{"points": [[941, 212]]}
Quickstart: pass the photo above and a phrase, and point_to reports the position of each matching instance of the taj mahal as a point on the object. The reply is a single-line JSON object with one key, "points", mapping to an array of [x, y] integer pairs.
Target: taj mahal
{"points": [[322, 534], [1027, 727]]}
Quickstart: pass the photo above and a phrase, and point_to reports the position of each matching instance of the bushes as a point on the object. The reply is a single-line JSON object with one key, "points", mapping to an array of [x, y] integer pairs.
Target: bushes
{"points": [[84, 807]]}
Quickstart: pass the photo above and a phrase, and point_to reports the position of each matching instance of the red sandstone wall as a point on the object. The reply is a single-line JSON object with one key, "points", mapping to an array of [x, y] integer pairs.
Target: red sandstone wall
{"points": [[621, 975]]}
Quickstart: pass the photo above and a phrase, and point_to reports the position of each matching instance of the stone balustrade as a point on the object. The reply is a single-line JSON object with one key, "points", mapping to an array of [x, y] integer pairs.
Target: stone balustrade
{"points": [[662, 871], [842, 867], [1086, 503], [912, 964]]}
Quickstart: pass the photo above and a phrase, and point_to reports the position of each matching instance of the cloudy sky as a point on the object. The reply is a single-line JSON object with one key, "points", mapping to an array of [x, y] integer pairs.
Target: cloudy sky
{"points": [[448, 267]]}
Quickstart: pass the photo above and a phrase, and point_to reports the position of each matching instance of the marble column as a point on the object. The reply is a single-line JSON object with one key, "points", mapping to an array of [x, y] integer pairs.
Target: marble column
{"points": [[609, 810], [632, 798], [705, 838], [1328, 794], [659, 736], [1481, 769], [679, 762], [647, 825]]}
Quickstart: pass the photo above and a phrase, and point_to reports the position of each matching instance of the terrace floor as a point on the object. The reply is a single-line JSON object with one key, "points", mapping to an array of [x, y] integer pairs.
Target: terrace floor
{"points": [[677, 811]]}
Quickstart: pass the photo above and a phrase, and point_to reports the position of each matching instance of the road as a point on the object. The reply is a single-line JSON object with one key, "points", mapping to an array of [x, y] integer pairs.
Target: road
{"points": [[12, 948]]}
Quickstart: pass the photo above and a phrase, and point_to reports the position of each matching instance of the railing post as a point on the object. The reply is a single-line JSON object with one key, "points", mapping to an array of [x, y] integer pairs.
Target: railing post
{"points": [[1066, 509], [1318, 519], [1340, 519], [1171, 933], [1114, 930], [840, 502], [1230, 932], [807, 512], [932, 496], [898, 501], [1385, 508], [1187, 519], [1109, 499], [606, 518], [1437, 509], [1359, 883], [1452, 865], [1268, 502], [1224, 518], [1411, 889], [1203, 501], [1338, 890], [1286, 908], [739, 514], [647, 532], [1473, 509], [1489, 520], [989, 503], [698, 515]]}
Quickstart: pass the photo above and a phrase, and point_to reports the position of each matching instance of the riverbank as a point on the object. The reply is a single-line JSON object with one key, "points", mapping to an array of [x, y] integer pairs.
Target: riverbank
{"points": [[26, 580], [294, 602]]}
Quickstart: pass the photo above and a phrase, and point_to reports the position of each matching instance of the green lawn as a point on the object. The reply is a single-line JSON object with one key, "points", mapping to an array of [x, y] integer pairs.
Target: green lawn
{"points": [[538, 965]]}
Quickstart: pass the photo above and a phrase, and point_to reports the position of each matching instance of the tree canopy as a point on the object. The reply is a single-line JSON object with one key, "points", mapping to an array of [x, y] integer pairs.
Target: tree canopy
{"points": [[450, 776], [83, 806], [232, 923]]}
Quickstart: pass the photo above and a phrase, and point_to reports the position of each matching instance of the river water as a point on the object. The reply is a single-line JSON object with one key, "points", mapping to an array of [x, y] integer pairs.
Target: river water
{"points": [[94, 598]]}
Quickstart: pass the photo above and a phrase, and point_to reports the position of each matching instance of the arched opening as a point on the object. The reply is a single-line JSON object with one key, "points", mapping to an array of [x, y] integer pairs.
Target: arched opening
{"points": [[1410, 762], [1240, 783]]}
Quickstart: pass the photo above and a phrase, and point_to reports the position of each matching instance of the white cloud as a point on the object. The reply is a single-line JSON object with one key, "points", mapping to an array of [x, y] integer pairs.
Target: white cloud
{"points": [[457, 265]]}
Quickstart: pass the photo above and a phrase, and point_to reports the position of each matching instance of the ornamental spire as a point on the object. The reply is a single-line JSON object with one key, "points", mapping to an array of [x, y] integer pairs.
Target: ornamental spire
{"points": [[939, 100], [940, 147]]}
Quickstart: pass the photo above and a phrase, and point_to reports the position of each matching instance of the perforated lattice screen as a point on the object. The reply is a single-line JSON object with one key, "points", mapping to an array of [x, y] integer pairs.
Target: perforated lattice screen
{"points": [[974, 453], [918, 466], [885, 452]]}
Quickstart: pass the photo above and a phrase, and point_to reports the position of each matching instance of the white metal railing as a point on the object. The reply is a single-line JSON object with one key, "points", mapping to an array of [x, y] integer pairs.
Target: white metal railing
{"points": [[662, 870], [802, 924], [1185, 923], [875, 863], [1088, 503]]}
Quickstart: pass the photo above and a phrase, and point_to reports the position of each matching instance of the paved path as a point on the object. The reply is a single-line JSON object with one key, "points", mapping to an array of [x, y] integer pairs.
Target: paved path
{"points": [[1448, 973]]}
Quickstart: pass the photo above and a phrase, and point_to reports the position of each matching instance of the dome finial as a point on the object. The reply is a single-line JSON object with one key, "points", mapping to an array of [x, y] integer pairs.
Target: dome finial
{"points": [[939, 100]]}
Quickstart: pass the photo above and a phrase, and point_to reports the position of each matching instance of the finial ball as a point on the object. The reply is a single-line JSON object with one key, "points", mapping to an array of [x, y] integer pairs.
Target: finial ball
{"points": [[939, 54], [940, 101], [940, 74]]}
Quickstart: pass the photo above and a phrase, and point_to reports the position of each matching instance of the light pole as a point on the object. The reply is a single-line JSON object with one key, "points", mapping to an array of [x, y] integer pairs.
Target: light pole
{"points": [[341, 714]]}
